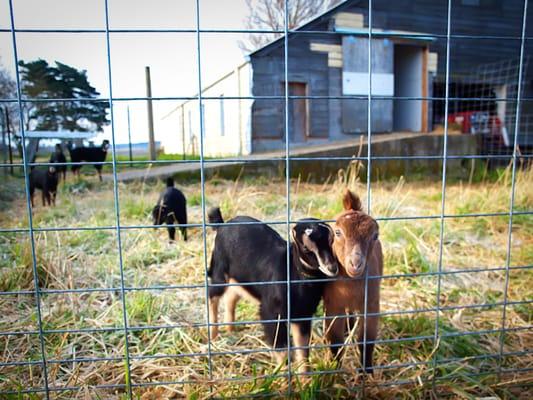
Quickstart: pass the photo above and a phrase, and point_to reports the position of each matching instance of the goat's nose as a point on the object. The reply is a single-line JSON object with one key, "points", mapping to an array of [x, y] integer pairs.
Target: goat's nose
{"points": [[356, 260]]}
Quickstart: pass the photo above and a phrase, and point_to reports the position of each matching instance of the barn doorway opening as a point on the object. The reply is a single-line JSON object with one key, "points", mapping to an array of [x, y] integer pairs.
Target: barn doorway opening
{"points": [[298, 113], [408, 82]]}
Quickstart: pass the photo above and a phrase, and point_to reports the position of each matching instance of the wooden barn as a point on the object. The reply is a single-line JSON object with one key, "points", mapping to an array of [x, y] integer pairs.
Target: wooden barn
{"points": [[328, 68]]}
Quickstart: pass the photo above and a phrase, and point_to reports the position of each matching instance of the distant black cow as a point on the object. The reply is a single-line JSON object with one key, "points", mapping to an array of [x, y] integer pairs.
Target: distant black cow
{"points": [[96, 154], [46, 181], [171, 209], [59, 157]]}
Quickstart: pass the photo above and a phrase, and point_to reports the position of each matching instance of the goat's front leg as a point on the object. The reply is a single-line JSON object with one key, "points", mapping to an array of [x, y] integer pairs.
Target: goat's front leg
{"points": [[171, 233], [366, 350], [213, 315], [335, 329], [99, 170], [231, 298], [301, 332]]}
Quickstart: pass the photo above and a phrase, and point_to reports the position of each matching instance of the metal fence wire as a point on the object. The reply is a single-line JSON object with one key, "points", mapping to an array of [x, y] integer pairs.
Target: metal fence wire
{"points": [[44, 364]]}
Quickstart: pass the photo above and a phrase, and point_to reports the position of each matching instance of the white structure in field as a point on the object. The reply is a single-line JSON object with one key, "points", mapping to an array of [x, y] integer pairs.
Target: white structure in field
{"points": [[226, 118]]}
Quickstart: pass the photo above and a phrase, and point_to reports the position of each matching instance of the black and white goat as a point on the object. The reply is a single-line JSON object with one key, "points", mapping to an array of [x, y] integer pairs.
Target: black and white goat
{"points": [[254, 255]]}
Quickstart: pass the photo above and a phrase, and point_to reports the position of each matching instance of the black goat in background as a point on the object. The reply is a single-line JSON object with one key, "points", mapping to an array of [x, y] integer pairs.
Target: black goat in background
{"points": [[46, 181], [171, 208], [59, 157], [95, 154]]}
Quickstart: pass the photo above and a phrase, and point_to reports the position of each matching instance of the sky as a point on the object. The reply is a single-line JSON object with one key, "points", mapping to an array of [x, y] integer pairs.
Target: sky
{"points": [[172, 57]]}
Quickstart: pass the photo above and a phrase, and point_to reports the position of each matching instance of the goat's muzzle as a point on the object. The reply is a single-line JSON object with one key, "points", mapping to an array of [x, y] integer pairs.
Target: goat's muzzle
{"points": [[328, 265], [355, 264]]}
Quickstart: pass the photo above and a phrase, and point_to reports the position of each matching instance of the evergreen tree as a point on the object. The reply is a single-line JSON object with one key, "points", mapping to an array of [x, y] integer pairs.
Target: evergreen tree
{"points": [[43, 81]]}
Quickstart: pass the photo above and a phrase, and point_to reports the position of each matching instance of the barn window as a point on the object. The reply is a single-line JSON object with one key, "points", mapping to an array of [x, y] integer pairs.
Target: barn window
{"points": [[222, 124]]}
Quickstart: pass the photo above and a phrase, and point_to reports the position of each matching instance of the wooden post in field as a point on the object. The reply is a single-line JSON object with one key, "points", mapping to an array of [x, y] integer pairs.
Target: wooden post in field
{"points": [[4, 144], [9, 149], [151, 140], [182, 132]]}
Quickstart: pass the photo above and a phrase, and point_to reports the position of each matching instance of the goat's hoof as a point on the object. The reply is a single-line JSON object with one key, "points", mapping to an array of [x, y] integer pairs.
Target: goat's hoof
{"points": [[304, 377]]}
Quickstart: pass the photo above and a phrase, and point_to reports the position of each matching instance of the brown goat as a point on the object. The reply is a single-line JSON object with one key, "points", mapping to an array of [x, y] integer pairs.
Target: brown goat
{"points": [[358, 250]]}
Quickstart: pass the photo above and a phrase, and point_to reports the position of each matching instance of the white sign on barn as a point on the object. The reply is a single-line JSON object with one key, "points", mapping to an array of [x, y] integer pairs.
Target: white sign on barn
{"points": [[356, 83]]}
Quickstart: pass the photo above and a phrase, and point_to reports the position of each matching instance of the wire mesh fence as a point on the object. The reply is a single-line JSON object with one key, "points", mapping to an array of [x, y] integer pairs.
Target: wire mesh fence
{"points": [[132, 324]]}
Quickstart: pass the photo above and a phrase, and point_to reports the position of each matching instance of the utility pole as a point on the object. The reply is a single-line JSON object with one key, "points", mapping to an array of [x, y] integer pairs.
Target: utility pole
{"points": [[151, 140], [129, 134]]}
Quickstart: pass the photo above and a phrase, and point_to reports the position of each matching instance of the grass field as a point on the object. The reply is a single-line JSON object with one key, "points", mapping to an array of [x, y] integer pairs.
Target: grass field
{"points": [[87, 259]]}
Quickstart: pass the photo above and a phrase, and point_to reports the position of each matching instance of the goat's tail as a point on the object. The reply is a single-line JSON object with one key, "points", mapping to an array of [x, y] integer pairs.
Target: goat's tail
{"points": [[214, 216]]}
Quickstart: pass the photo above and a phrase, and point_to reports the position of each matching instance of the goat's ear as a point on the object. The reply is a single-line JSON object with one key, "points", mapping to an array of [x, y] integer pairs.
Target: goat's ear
{"points": [[330, 231], [294, 236], [351, 201]]}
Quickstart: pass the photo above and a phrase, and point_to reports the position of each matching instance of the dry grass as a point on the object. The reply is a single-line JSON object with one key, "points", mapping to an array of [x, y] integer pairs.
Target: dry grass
{"points": [[89, 259]]}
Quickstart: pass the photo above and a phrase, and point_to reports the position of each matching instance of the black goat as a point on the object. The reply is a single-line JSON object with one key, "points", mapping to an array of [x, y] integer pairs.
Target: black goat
{"points": [[59, 157], [95, 154], [171, 209], [255, 253], [46, 181]]}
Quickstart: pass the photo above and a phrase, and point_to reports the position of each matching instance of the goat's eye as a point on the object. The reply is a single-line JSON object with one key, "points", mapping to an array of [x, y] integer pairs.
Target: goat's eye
{"points": [[338, 233], [375, 236]]}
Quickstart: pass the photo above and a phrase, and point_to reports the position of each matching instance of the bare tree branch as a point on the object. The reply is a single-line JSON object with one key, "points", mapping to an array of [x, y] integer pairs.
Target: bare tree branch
{"points": [[8, 90], [270, 15]]}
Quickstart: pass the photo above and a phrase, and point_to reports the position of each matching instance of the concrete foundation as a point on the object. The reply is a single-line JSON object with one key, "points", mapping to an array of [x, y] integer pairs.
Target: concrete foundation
{"points": [[387, 147]]}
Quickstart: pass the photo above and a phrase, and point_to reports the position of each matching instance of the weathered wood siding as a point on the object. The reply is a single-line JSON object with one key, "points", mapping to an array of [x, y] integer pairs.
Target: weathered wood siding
{"points": [[501, 20], [355, 59], [304, 66], [490, 18]]}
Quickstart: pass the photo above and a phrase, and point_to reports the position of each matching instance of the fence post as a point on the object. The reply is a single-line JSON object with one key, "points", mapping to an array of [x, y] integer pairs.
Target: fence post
{"points": [[151, 140], [183, 151]]}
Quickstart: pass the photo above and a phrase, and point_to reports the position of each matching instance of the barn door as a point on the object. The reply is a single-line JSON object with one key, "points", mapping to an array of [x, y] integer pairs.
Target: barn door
{"points": [[298, 129], [409, 75]]}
